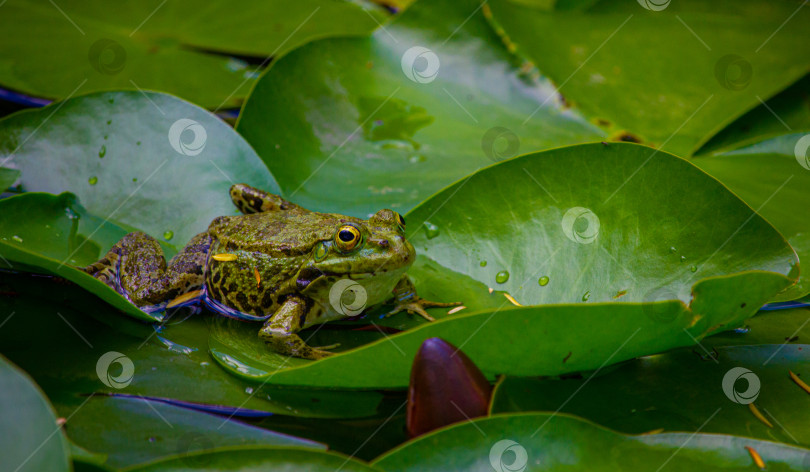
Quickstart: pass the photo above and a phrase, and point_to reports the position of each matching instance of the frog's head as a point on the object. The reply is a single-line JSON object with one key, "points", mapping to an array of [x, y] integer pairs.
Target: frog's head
{"points": [[374, 253]]}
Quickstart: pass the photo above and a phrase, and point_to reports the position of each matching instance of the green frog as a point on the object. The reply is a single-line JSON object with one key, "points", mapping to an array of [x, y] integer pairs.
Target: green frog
{"points": [[277, 263]]}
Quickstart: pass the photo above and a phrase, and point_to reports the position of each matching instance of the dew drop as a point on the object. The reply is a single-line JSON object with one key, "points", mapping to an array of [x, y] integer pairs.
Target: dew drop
{"points": [[168, 235], [543, 281], [502, 276], [431, 230], [586, 296], [483, 263], [134, 179], [742, 329], [109, 122], [417, 158], [673, 250], [92, 180], [693, 268], [103, 151], [17, 238], [249, 390], [683, 258]]}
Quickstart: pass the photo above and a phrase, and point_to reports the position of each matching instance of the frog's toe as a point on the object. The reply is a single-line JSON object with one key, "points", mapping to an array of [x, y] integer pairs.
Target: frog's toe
{"points": [[411, 307]]}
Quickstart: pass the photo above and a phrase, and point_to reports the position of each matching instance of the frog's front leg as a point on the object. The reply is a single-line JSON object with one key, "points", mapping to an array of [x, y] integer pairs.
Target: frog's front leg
{"points": [[136, 268], [406, 299], [279, 331]]}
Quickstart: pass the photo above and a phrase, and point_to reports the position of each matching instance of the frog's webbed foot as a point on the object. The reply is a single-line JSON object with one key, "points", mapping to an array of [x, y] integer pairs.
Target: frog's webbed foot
{"points": [[417, 305], [279, 332], [409, 301]]}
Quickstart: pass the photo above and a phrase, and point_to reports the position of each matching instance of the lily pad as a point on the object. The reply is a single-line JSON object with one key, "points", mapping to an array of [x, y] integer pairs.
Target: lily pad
{"points": [[249, 459], [620, 279], [167, 361], [137, 431], [788, 111], [767, 327], [386, 121], [30, 440], [561, 442], [617, 61], [144, 160], [152, 45], [773, 177], [679, 390], [8, 177]]}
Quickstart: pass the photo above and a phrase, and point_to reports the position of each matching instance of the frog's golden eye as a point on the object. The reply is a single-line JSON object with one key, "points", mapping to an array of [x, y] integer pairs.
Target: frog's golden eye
{"points": [[347, 238], [401, 220]]}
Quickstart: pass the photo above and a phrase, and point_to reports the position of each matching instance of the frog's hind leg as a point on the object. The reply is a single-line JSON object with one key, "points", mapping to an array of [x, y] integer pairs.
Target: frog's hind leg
{"points": [[252, 200], [136, 268], [279, 331]]}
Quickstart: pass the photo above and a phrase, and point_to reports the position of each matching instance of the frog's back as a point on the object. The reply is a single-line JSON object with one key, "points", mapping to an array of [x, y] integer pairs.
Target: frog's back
{"points": [[284, 233]]}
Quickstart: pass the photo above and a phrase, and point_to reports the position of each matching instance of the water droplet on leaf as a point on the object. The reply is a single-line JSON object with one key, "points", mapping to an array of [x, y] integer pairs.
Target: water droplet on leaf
{"points": [[693, 268], [672, 249], [17, 238], [586, 296], [483, 263], [168, 235], [92, 180], [502, 276], [431, 230], [543, 281], [103, 151]]}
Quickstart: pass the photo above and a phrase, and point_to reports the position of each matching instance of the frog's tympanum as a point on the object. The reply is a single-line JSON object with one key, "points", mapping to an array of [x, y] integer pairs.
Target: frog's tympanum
{"points": [[276, 263]]}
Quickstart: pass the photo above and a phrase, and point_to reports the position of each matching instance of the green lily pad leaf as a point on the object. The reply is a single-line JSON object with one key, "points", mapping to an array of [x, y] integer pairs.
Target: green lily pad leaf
{"points": [[246, 459], [649, 393], [144, 160], [388, 120], [767, 327], [639, 227], [31, 438], [787, 111], [8, 177], [773, 177], [166, 362], [622, 63], [56, 234], [152, 45], [551, 442], [134, 431]]}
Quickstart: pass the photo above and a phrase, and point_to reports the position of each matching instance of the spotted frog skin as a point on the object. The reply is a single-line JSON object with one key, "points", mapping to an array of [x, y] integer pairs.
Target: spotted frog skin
{"points": [[277, 263]]}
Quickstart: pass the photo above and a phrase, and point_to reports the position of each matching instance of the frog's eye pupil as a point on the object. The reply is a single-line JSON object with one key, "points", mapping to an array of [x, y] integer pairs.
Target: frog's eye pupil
{"points": [[346, 235], [401, 219]]}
